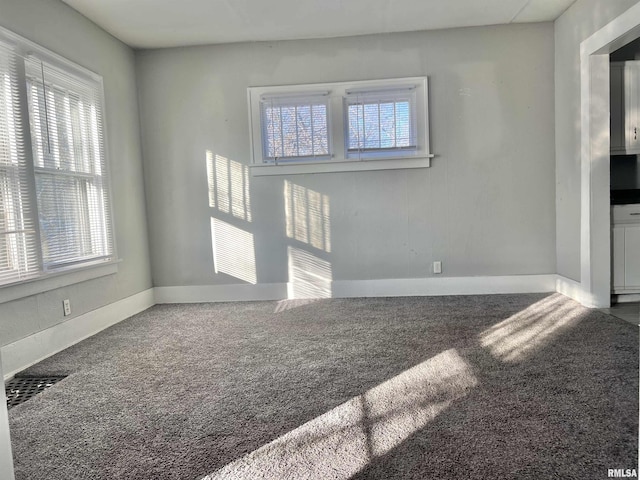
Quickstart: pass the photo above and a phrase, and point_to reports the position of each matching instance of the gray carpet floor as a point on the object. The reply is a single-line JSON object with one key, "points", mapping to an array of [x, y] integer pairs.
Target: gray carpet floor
{"points": [[481, 387]]}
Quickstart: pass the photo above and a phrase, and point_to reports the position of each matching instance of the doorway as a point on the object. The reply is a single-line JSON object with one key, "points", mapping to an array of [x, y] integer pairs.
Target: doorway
{"points": [[595, 221]]}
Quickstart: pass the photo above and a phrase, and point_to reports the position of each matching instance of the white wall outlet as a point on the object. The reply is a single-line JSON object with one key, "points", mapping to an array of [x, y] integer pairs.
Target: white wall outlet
{"points": [[437, 267], [66, 304]]}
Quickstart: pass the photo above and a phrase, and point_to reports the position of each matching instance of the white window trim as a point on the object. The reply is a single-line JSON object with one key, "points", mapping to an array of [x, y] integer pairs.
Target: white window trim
{"points": [[339, 159], [57, 279], [309, 98], [51, 279]]}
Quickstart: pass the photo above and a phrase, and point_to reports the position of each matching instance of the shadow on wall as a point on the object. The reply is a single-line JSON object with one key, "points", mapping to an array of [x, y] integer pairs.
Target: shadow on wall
{"points": [[308, 225], [309, 275], [229, 196], [308, 216]]}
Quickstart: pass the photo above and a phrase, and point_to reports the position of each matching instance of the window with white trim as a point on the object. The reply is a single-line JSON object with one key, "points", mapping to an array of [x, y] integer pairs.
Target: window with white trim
{"points": [[54, 191], [295, 127], [340, 124], [381, 123]]}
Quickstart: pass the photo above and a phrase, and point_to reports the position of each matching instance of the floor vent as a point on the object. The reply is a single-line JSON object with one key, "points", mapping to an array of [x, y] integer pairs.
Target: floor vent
{"points": [[20, 389]]}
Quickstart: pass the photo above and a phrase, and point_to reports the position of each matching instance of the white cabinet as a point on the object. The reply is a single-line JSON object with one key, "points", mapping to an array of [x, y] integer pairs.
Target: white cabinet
{"points": [[625, 247], [625, 107]]}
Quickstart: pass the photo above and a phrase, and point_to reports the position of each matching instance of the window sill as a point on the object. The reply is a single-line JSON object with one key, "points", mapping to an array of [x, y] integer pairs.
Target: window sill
{"points": [[340, 166], [59, 279]]}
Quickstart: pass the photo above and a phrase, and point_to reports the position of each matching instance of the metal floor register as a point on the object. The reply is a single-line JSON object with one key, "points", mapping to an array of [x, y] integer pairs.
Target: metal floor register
{"points": [[20, 389]]}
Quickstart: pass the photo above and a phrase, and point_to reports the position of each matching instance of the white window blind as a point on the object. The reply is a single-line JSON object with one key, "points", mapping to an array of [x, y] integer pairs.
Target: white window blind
{"points": [[18, 236], [295, 127], [381, 122], [54, 202], [69, 164]]}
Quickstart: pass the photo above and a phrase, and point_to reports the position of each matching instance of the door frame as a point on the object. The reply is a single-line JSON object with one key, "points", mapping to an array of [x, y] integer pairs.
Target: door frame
{"points": [[595, 222], [6, 457]]}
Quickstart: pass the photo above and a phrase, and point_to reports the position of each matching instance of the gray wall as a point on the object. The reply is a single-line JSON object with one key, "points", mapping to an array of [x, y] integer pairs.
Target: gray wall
{"points": [[579, 22], [59, 28], [485, 207]]}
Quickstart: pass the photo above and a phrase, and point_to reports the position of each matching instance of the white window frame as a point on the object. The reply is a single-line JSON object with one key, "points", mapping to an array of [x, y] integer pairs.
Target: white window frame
{"points": [[381, 96], [339, 158], [50, 276], [294, 101]]}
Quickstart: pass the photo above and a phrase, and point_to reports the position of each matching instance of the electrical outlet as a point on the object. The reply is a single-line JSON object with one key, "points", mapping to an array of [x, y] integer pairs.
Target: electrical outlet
{"points": [[437, 267], [66, 304]]}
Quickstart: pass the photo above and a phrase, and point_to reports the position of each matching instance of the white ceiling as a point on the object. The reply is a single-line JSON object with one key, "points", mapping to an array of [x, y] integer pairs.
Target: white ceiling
{"points": [[172, 23]]}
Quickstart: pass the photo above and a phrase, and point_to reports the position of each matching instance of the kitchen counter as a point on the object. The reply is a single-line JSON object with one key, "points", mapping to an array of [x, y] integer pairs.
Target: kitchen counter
{"points": [[625, 197]]}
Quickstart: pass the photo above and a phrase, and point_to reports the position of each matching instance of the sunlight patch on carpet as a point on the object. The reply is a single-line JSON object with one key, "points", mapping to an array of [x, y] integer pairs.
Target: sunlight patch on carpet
{"points": [[341, 442], [526, 332], [284, 305]]}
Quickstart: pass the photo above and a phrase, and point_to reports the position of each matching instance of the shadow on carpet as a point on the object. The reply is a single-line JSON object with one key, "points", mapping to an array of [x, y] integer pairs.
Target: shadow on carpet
{"points": [[501, 386]]}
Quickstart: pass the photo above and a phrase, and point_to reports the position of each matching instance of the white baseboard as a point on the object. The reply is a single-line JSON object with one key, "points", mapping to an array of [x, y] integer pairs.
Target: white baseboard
{"points": [[569, 288], [403, 287], [627, 297], [25, 352], [221, 293], [575, 291], [444, 286]]}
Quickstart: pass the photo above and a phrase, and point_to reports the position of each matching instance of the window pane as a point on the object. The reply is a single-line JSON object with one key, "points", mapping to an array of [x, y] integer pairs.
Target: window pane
{"points": [[371, 126], [289, 132], [356, 127], [68, 231], [380, 124], [274, 132], [295, 130], [13, 253], [305, 138], [403, 125], [320, 135], [387, 125], [63, 129]]}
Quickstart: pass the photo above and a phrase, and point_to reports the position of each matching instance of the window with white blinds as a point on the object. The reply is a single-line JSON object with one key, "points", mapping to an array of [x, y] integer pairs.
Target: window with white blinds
{"points": [[381, 122], [340, 123], [295, 127], [54, 202]]}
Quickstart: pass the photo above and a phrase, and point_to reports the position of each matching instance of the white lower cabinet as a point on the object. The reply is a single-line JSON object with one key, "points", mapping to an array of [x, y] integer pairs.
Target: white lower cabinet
{"points": [[625, 246]]}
